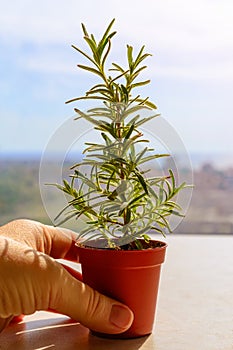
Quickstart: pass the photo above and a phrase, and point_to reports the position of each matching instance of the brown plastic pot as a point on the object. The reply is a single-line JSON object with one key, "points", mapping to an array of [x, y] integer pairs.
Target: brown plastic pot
{"points": [[131, 277]]}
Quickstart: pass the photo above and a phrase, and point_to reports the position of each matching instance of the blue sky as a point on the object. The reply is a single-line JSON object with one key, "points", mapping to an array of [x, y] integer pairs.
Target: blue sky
{"points": [[191, 69]]}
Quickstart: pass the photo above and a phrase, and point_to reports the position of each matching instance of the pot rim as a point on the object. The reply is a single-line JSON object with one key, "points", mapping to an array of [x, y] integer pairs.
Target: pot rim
{"points": [[118, 259]]}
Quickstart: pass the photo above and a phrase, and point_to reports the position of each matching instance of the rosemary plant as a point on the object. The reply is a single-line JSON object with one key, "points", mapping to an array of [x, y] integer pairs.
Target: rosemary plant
{"points": [[121, 202]]}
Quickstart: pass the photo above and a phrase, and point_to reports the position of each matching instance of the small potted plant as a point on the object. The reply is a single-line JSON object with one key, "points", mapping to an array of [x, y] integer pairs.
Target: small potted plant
{"points": [[121, 202]]}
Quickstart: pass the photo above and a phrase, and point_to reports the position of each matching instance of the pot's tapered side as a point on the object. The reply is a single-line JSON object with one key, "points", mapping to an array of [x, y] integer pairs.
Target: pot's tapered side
{"points": [[131, 277]]}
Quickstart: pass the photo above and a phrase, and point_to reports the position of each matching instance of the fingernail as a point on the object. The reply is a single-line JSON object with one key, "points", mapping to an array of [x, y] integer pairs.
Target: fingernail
{"points": [[121, 317]]}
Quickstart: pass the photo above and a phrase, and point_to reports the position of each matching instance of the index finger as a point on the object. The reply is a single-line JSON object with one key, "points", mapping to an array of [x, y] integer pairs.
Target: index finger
{"points": [[61, 243], [54, 241]]}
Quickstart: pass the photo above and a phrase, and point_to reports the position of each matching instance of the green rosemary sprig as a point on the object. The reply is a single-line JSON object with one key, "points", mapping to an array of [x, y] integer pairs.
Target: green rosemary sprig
{"points": [[117, 195]]}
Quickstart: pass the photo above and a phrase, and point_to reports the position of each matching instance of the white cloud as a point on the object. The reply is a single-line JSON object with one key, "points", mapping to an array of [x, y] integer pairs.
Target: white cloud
{"points": [[211, 71], [171, 29], [189, 40], [191, 25]]}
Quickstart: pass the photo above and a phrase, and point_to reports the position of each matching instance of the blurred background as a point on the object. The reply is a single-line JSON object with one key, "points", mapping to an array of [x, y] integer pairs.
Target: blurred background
{"points": [[191, 72]]}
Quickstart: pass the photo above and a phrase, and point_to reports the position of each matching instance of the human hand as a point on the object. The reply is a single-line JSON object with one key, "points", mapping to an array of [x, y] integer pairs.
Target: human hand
{"points": [[31, 279]]}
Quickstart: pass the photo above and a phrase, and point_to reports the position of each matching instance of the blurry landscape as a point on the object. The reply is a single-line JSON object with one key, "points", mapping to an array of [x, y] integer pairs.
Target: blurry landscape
{"points": [[210, 210]]}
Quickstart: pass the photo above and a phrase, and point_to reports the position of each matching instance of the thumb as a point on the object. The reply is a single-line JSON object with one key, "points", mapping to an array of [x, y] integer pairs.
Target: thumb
{"points": [[92, 309]]}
